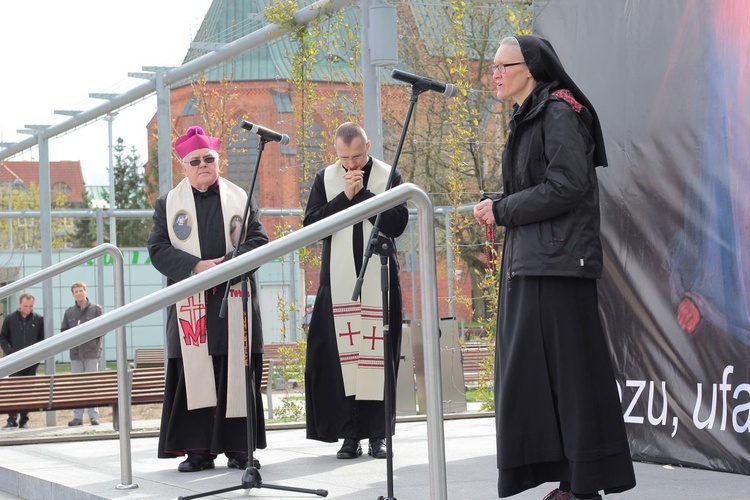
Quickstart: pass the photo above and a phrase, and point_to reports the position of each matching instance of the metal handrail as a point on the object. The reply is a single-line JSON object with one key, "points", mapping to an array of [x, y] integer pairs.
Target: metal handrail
{"points": [[61, 267], [278, 248], [74, 337]]}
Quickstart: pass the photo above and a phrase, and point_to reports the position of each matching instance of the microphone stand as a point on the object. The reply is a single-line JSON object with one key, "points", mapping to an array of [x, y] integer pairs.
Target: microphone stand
{"points": [[251, 477], [383, 246]]}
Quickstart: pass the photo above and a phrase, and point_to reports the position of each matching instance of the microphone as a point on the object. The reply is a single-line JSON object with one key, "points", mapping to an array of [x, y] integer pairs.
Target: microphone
{"points": [[424, 83], [265, 133]]}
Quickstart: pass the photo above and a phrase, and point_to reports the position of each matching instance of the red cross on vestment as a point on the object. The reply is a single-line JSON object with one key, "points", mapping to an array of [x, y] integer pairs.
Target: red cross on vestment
{"points": [[193, 330], [373, 338], [350, 333]]}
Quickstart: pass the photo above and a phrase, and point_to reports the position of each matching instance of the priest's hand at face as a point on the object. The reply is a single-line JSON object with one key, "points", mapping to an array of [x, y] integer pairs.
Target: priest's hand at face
{"points": [[354, 180]]}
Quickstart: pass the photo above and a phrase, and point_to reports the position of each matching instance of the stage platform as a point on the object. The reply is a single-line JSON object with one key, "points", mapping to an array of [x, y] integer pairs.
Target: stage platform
{"points": [[61, 463]]}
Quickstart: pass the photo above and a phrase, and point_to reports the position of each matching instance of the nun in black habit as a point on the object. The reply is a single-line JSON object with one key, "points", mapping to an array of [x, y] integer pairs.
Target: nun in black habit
{"points": [[558, 413]]}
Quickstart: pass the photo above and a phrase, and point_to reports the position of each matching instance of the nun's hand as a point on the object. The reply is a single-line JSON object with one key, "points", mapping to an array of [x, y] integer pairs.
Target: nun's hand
{"points": [[483, 213]]}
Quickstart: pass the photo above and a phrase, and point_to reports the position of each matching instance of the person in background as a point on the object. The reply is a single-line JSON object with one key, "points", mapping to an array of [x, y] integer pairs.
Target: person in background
{"points": [[85, 357], [205, 409], [21, 329], [344, 395], [307, 317], [558, 413]]}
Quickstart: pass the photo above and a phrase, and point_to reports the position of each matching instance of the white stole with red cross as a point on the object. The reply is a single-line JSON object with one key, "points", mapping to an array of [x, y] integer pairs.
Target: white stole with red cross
{"points": [[359, 325], [191, 312]]}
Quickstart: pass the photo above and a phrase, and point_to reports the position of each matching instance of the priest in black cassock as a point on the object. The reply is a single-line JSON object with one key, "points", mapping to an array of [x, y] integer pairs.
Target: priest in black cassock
{"points": [[344, 374], [195, 229]]}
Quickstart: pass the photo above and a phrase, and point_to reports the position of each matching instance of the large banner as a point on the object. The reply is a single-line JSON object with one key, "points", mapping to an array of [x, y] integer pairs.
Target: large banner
{"points": [[670, 80]]}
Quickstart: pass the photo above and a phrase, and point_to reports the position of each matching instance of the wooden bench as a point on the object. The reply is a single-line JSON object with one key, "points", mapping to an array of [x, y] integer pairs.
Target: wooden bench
{"points": [[271, 349], [68, 391], [284, 355], [266, 385], [153, 357], [475, 359], [149, 357]]}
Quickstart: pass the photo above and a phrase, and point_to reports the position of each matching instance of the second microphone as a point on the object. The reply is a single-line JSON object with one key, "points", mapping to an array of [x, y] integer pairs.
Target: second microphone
{"points": [[265, 133]]}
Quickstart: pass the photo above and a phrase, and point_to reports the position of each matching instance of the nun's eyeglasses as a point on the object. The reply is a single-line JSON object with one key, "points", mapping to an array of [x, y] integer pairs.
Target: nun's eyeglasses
{"points": [[500, 68]]}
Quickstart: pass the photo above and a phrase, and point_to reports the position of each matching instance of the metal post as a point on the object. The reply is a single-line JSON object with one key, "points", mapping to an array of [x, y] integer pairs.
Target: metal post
{"points": [[413, 253], [370, 88], [100, 280], [123, 387], [164, 146], [112, 201], [45, 230], [431, 349], [10, 221], [17, 184], [164, 132], [449, 263], [294, 320]]}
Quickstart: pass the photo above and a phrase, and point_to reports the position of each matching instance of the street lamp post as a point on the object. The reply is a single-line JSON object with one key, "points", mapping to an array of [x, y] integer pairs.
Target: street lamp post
{"points": [[112, 222], [110, 118]]}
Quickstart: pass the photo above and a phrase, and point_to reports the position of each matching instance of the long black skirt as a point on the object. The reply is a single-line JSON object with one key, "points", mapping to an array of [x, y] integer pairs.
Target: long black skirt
{"points": [[206, 430], [558, 412]]}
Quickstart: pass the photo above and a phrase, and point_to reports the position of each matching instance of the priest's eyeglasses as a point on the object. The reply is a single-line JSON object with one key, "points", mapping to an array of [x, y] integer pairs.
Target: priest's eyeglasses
{"points": [[500, 68], [206, 159], [355, 159]]}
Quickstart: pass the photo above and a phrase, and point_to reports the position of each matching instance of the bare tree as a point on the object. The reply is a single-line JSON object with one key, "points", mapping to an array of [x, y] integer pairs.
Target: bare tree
{"points": [[454, 146]]}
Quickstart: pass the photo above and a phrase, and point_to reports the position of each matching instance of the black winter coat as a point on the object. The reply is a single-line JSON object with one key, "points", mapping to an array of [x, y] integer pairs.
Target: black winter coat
{"points": [[18, 333], [550, 205]]}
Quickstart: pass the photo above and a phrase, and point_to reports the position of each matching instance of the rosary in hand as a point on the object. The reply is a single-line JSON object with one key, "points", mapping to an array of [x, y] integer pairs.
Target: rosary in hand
{"points": [[489, 243]]}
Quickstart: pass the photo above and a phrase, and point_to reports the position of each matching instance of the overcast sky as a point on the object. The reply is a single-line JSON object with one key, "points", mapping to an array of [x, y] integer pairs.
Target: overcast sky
{"points": [[54, 53]]}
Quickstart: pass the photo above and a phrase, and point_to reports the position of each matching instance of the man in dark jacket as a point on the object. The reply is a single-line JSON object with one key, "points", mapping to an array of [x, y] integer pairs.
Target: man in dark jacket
{"points": [[85, 357], [21, 329]]}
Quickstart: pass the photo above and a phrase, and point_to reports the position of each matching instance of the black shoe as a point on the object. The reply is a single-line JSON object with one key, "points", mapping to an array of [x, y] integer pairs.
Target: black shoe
{"points": [[24, 424], [558, 494], [350, 449], [241, 463], [376, 448], [95, 421], [195, 463], [12, 424], [75, 422]]}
